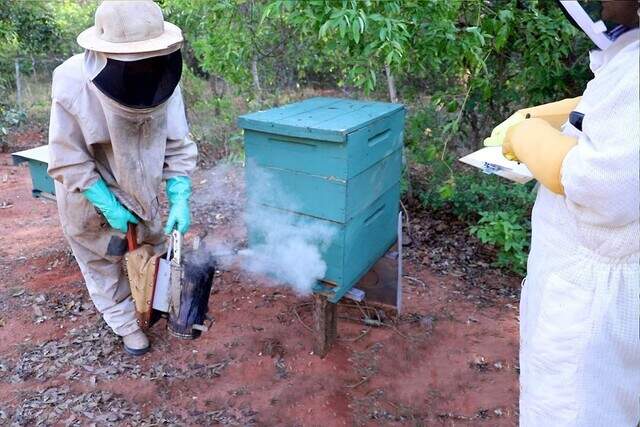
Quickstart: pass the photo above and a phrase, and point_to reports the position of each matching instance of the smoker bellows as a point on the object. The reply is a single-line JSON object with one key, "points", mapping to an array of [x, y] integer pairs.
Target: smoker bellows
{"points": [[341, 160]]}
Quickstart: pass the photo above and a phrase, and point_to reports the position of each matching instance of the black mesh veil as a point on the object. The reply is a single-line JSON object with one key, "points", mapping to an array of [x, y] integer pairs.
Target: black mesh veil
{"points": [[141, 84]]}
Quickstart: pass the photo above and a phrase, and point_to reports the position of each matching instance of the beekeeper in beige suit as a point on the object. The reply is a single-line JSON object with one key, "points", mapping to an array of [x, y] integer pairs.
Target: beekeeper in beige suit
{"points": [[118, 130]]}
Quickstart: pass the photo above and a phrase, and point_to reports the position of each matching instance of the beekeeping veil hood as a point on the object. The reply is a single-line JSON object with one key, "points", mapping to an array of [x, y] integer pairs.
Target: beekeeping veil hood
{"points": [[132, 64], [132, 54], [586, 15]]}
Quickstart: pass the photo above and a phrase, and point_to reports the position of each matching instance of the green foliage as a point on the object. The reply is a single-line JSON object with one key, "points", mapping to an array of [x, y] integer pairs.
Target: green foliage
{"points": [[504, 209], [71, 18], [33, 30], [505, 231], [29, 25], [475, 192], [355, 38], [9, 118], [47, 27], [228, 37], [218, 34]]}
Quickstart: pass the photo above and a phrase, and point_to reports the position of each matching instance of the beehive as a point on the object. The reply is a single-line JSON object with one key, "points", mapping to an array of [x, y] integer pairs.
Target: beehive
{"points": [[341, 161], [38, 160]]}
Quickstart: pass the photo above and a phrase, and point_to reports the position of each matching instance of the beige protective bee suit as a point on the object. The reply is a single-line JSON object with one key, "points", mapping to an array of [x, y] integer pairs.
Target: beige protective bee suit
{"points": [[580, 306], [133, 151]]}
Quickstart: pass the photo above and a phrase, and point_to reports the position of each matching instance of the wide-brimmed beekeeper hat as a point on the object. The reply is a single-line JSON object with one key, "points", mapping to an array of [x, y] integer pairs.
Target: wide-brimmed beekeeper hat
{"points": [[130, 26]]}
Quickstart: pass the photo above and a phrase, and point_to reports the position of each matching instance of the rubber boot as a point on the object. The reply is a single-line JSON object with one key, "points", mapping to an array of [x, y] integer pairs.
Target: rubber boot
{"points": [[136, 343]]}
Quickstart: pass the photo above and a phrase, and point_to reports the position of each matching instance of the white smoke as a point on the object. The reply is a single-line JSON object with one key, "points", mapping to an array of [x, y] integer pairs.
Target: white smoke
{"points": [[289, 250], [291, 245]]}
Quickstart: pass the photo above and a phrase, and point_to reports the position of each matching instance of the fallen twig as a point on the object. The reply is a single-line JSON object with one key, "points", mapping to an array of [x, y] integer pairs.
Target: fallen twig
{"points": [[359, 383], [373, 322], [295, 311], [362, 334], [414, 279], [406, 220]]}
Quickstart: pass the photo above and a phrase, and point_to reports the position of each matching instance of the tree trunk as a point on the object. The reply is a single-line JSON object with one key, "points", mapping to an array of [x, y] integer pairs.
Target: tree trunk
{"points": [[18, 85], [256, 77], [391, 83]]}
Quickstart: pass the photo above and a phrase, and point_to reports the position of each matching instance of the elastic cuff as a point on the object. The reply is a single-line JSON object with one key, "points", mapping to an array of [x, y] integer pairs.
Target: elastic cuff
{"points": [[90, 183], [127, 328]]}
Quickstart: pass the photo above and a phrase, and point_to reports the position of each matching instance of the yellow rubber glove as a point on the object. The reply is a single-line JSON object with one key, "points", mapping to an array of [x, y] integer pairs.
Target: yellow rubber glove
{"points": [[541, 147], [554, 113], [500, 132]]}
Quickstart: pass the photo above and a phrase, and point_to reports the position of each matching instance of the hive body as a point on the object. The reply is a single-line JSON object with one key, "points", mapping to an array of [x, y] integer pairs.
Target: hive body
{"points": [[339, 164]]}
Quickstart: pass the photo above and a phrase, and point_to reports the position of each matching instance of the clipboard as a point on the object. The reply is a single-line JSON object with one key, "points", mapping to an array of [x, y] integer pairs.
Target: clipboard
{"points": [[491, 161]]}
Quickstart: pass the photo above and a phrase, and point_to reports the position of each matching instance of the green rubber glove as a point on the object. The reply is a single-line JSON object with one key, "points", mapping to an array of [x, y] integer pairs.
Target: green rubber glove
{"points": [[102, 198], [178, 193], [500, 132]]}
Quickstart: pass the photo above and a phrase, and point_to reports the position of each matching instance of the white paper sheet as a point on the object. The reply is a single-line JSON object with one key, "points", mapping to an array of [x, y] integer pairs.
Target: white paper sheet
{"points": [[491, 161]]}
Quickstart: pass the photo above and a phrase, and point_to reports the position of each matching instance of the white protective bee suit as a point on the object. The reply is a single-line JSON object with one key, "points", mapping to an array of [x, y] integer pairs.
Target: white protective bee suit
{"points": [[133, 151], [580, 306]]}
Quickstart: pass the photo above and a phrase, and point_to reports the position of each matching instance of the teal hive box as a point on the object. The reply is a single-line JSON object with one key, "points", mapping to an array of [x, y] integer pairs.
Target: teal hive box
{"points": [[341, 161], [38, 160]]}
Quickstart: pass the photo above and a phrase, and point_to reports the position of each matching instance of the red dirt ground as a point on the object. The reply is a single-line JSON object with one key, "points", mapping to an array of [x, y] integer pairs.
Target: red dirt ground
{"points": [[447, 362]]}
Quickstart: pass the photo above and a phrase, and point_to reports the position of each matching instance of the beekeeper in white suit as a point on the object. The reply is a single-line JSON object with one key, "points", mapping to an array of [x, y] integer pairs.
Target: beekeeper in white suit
{"points": [[118, 131], [580, 306]]}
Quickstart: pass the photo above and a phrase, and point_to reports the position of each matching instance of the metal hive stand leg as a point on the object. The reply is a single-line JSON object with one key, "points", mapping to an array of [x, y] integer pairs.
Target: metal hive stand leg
{"points": [[325, 322]]}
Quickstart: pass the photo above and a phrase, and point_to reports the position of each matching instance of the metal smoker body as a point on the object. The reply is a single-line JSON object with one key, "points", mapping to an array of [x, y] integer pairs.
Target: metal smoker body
{"points": [[170, 286], [190, 286]]}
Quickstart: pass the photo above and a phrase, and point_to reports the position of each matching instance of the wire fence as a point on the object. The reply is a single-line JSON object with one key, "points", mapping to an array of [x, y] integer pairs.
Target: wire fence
{"points": [[26, 78]]}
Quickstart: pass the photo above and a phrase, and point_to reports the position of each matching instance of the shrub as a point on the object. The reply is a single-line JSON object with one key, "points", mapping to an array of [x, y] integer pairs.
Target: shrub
{"points": [[9, 118], [507, 232], [475, 193]]}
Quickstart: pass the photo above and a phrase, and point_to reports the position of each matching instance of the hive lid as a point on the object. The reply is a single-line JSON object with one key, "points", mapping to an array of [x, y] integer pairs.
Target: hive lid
{"points": [[40, 154], [326, 119]]}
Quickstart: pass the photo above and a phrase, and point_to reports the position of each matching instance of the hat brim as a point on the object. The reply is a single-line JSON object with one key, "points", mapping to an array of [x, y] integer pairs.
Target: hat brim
{"points": [[171, 36]]}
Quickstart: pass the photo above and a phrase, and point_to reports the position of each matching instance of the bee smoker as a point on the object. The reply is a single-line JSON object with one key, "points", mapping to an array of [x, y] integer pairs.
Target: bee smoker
{"points": [[189, 288]]}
